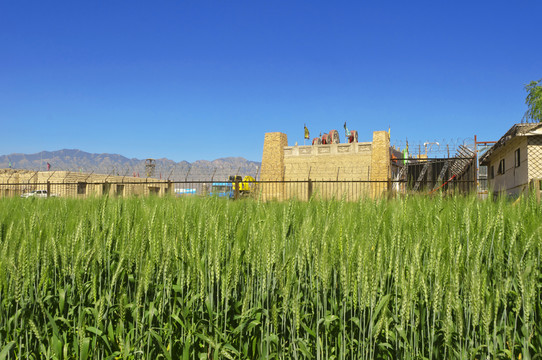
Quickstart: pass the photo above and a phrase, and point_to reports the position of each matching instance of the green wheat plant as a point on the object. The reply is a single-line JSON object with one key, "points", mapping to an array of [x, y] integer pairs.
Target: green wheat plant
{"points": [[207, 278]]}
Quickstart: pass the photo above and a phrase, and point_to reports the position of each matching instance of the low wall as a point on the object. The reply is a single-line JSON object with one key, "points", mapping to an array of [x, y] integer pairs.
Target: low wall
{"points": [[14, 182]]}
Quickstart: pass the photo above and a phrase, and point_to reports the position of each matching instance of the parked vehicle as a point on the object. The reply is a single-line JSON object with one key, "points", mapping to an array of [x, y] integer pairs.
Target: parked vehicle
{"points": [[38, 194]]}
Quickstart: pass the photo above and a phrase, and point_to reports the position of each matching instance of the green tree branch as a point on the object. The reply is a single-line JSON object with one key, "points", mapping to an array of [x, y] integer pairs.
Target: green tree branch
{"points": [[533, 101]]}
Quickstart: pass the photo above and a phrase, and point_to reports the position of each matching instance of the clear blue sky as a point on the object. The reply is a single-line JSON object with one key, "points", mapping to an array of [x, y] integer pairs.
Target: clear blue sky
{"points": [[191, 80]]}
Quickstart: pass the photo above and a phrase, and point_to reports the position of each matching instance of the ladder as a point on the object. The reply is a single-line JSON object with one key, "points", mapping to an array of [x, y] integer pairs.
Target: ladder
{"points": [[401, 173], [441, 174], [459, 166], [420, 177], [398, 177]]}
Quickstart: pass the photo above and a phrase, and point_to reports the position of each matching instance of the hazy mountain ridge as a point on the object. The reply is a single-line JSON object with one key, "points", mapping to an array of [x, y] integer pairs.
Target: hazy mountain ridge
{"points": [[115, 164]]}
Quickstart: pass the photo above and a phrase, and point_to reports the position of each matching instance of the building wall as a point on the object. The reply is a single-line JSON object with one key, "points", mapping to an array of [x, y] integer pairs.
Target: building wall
{"points": [[380, 159], [534, 151], [273, 156], [272, 168], [334, 162], [328, 162], [380, 162], [514, 179], [366, 161], [14, 182]]}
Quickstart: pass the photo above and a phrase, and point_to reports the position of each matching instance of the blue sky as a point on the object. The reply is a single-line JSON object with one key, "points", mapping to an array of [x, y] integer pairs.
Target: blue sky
{"points": [[191, 80]]}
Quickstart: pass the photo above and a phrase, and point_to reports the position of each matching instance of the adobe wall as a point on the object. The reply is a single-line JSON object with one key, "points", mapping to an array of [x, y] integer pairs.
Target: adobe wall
{"points": [[273, 165], [65, 183], [380, 162], [359, 162], [328, 162], [273, 156]]}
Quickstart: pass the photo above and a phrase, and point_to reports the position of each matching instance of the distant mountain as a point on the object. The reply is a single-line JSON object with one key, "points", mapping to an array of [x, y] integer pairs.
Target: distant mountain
{"points": [[77, 160]]}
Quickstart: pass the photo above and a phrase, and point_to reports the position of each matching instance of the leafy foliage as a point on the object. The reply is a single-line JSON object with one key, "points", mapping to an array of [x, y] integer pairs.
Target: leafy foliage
{"points": [[166, 278], [533, 101]]}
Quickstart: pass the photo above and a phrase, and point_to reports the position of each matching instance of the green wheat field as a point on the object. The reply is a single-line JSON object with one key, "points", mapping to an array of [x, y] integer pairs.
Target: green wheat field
{"points": [[208, 278]]}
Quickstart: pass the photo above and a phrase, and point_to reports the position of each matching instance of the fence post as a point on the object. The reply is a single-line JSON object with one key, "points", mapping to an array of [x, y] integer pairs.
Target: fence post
{"points": [[309, 189], [169, 187], [48, 188], [236, 189]]}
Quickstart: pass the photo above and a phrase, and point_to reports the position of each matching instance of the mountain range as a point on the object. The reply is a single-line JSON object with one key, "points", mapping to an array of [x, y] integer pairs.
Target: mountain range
{"points": [[115, 164]]}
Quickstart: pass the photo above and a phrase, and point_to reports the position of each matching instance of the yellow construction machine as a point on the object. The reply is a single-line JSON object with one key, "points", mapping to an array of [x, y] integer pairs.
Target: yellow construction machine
{"points": [[246, 184]]}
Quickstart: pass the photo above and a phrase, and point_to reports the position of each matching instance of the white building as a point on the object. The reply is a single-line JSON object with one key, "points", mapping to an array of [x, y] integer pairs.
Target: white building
{"points": [[514, 160]]}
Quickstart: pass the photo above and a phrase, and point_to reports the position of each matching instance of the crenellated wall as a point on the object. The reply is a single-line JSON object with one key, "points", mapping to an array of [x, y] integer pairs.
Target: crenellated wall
{"points": [[349, 162], [328, 162]]}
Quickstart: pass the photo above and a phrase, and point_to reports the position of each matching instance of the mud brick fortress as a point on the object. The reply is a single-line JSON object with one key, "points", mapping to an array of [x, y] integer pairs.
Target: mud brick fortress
{"points": [[353, 169]]}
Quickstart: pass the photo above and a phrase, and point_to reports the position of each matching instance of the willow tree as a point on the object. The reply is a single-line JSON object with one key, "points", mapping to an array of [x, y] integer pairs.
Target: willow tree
{"points": [[534, 101]]}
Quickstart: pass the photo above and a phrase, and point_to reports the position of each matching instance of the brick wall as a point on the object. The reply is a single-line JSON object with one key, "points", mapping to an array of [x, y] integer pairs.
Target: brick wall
{"points": [[380, 161], [273, 156], [344, 162], [273, 165], [328, 162]]}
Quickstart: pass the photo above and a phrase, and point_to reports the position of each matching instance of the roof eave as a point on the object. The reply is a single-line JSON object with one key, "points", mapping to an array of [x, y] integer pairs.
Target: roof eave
{"points": [[509, 135]]}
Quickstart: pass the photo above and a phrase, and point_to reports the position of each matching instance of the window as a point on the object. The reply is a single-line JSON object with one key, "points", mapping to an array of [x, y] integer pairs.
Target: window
{"points": [[81, 188], [120, 190], [502, 168], [517, 158], [492, 172]]}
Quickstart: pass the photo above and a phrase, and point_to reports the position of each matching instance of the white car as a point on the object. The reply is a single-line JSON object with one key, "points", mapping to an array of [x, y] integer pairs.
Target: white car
{"points": [[37, 193]]}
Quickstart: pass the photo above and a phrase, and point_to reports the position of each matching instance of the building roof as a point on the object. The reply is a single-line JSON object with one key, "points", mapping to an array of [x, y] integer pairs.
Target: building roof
{"points": [[527, 129]]}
